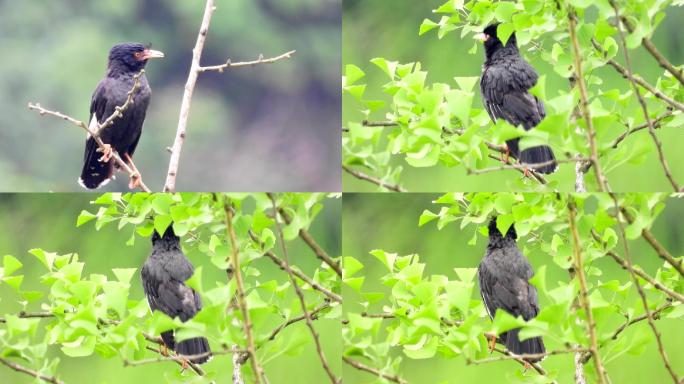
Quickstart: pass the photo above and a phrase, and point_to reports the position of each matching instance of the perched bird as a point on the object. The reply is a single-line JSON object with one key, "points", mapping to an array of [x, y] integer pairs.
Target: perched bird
{"points": [[506, 79], [163, 277], [125, 61], [503, 275]]}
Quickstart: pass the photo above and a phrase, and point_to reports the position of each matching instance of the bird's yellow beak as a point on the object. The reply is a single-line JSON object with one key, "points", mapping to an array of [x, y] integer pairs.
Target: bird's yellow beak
{"points": [[152, 54], [481, 37]]}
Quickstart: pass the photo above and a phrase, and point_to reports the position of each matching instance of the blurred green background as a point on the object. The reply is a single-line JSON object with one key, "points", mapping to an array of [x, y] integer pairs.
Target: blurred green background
{"points": [[390, 222], [389, 29], [49, 222], [269, 127]]}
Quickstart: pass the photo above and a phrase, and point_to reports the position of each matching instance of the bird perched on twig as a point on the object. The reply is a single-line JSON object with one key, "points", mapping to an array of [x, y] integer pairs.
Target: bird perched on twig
{"points": [[163, 276], [125, 62], [505, 82], [504, 275]]}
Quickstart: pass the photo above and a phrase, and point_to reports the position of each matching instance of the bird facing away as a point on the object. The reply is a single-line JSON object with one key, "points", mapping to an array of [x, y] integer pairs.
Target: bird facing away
{"points": [[503, 276], [125, 61], [506, 79], [163, 277]]}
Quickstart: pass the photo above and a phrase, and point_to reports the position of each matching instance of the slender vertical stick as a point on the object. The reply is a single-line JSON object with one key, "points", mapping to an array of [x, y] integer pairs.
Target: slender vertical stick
{"points": [[242, 302], [170, 185], [584, 295]]}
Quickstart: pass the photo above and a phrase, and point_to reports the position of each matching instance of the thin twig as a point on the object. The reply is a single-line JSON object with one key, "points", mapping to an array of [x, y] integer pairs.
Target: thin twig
{"points": [[183, 361], [651, 48], [642, 102], [523, 166], [642, 294], [374, 371], [584, 295], [309, 240], [525, 356], [536, 366], [281, 264], [657, 123], [638, 79], [313, 314], [374, 180], [118, 113], [584, 99], [260, 60], [655, 244], [633, 269], [242, 302], [298, 290], [30, 372]]}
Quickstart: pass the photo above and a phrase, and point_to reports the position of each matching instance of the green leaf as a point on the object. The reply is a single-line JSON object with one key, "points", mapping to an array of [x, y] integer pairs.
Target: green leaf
{"points": [[47, 258], [504, 31], [124, 275], [352, 74], [503, 12], [84, 217], [161, 223], [10, 264], [83, 346], [425, 348], [351, 266], [386, 258], [427, 25], [426, 217]]}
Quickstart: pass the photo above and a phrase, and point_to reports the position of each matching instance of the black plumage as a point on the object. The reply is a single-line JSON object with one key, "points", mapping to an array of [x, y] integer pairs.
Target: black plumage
{"points": [[125, 61], [506, 79], [504, 275], [163, 277]]}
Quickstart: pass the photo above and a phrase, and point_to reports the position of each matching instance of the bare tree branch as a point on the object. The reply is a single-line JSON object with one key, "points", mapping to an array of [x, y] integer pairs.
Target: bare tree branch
{"points": [[584, 295], [298, 290], [657, 122], [526, 356], [374, 371], [313, 314], [30, 372], [260, 60], [523, 167], [118, 112], [242, 302]]}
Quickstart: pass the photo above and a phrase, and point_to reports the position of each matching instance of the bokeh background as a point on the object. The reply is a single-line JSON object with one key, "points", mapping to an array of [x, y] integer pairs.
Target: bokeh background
{"points": [[49, 222], [390, 223], [371, 30], [269, 127]]}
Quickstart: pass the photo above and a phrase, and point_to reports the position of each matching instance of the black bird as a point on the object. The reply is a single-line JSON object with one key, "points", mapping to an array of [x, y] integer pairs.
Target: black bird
{"points": [[506, 79], [125, 61], [503, 275], [163, 277]]}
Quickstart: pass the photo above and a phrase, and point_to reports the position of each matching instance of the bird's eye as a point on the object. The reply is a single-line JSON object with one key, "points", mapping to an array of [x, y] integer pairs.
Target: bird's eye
{"points": [[137, 55]]}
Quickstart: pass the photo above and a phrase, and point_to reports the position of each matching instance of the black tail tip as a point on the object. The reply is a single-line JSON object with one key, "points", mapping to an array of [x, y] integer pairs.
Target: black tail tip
{"points": [[542, 154], [194, 347]]}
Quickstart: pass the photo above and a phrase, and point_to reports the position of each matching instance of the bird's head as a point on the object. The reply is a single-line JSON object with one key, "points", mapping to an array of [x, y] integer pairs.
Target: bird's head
{"points": [[491, 41], [494, 232], [168, 237], [131, 57]]}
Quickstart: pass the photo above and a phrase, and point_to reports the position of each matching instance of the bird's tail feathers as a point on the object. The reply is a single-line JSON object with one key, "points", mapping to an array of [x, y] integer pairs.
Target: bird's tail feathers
{"points": [[532, 345], [95, 173], [195, 346], [540, 155]]}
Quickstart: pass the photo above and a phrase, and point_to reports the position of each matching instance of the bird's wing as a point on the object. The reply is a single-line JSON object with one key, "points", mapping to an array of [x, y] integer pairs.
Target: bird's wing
{"points": [[150, 287], [177, 299], [98, 102], [505, 96]]}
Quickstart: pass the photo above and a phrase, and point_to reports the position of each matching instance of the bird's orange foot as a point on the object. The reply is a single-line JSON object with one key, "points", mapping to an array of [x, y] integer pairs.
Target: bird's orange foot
{"points": [[134, 180], [106, 153], [492, 343], [526, 172], [527, 365], [185, 364]]}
